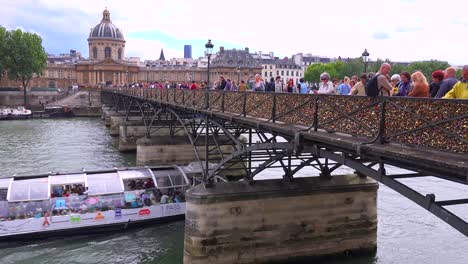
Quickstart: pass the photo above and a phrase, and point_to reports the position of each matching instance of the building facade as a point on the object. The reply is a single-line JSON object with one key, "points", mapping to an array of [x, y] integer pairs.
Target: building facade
{"points": [[285, 68], [108, 65], [236, 65]]}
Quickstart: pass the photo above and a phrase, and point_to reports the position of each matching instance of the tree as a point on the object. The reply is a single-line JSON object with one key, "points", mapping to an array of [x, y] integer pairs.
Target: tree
{"points": [[3, 34], [24, 56], [352, 67], [312, 74], [459, 74], [427, 67]]}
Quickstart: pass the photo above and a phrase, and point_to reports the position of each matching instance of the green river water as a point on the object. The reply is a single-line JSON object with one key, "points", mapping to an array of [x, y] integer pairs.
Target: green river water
{"points": [[406, 232]]}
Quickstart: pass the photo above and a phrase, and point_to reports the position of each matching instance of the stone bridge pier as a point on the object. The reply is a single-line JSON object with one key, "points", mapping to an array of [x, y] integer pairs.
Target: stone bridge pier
{"points": [[129, 133], [176, 149], [277, 221]]}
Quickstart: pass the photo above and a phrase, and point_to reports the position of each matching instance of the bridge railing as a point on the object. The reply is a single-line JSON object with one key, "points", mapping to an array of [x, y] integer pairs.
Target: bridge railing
{"points": [[424, 122]]}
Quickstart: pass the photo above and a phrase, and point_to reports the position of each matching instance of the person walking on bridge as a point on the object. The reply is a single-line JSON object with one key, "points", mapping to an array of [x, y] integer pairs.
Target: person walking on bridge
{"points": [[385, 87], [460, 89], [449, 81], [258, 85], [325, 87]]}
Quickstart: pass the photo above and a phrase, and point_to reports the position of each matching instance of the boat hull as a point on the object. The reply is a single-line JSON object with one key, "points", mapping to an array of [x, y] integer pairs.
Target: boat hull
{"points": [[88, 223], [87, 230]]}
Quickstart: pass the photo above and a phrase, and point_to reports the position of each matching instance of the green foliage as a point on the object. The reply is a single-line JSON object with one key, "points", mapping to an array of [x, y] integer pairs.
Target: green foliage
{"points": [[355, 66], [352, 67], [23, 57], [427, 67], [459, 74], [3, 34]]}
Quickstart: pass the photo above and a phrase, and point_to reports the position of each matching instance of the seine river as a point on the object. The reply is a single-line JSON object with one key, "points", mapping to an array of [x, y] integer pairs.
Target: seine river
{"points": [[406, 232]]}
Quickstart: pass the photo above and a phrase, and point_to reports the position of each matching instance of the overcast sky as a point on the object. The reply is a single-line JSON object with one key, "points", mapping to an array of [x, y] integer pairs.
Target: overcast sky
{"points": [[401, 30]]}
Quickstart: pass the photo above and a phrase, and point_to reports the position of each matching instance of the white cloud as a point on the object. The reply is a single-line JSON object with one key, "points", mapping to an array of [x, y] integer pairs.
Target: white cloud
{"points": [[150, 49], [413, 29]]}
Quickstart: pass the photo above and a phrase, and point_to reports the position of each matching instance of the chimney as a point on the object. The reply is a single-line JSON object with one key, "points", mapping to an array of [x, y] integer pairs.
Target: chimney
{"points": [[221, 49], [247, 49]]}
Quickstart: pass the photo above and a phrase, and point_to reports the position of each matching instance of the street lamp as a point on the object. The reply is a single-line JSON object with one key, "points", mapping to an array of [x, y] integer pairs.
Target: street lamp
{"points": [[365, 59], [208, 50], [238, 74]]}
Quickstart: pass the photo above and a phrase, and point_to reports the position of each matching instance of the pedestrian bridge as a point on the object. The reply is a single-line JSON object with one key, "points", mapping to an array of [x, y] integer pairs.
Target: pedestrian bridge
{"points": [[427, 137]]}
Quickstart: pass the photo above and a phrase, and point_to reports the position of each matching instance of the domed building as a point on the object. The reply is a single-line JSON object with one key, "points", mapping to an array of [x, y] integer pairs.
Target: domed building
{"points": [[106, 40], [106, 64]]}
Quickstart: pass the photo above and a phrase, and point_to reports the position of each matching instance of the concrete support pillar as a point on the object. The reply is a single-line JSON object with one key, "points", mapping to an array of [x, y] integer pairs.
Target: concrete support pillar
{"points": [[105, 110], [117, 120], [109, 114], [162, 149], [129, 133], [277, 221]]}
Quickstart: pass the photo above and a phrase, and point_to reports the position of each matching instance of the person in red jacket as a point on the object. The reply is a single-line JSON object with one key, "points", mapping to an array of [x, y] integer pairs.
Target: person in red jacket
{"points": [[193, 86]]}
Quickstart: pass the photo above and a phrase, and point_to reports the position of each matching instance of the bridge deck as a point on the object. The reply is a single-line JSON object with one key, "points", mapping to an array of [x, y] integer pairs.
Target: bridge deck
{"points": [[443, 164], [428, 137]]}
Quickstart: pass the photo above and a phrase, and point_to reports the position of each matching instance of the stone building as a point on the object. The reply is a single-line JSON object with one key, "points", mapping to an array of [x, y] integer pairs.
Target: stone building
{"points": [[273, 66], [237, 65], [305, 60], [107, 64]]}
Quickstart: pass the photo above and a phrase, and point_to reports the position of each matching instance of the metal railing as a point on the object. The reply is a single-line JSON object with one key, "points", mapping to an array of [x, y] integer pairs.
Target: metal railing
{"points": [[439, 124]]}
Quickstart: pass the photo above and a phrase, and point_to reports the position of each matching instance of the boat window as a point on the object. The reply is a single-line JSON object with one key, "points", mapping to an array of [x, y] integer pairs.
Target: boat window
{"points": [[66, 185], [104, 183], [178, 180], [140, 179], [163, 181], [3, 194], [4, 184], [31, 189], [170, 178]]}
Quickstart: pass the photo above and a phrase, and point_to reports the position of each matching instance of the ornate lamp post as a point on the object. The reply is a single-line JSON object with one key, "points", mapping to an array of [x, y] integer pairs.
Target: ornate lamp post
{"points": [[238, 74], [208, 50], [365, 59]]}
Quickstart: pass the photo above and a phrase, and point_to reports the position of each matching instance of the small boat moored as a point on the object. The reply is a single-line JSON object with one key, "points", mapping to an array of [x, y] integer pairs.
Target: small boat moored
{"points": [[13, 113], [74, 203]]}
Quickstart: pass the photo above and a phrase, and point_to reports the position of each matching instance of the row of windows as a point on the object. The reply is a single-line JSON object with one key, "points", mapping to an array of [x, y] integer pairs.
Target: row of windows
{"points": [[107, 53], [102, 44], [298, 74], [59, 74], [282, 66]]}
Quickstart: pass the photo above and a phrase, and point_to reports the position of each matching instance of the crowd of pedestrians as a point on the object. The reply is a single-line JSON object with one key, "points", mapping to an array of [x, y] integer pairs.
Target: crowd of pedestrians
{"points": [[444, 84]]}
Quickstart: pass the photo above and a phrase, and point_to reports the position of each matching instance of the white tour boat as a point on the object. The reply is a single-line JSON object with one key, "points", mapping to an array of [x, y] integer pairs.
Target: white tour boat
{"points": [[84, 202], [9, 113]]}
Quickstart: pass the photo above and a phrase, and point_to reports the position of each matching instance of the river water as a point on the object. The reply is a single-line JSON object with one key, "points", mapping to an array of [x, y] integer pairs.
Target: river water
{"points": [[406, 232]]}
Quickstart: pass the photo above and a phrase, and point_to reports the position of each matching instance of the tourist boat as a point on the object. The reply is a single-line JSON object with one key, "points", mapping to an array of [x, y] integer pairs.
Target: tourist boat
{"points": [[74, 203], [10, 113], [54, 112]]}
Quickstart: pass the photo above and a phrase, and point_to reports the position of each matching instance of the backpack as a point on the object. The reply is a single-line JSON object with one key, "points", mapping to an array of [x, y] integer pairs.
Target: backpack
{"points": [[372, 86], [270, 87]]}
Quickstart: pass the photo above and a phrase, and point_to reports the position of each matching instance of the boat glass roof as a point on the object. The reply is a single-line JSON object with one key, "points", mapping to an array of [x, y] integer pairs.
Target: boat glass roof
{"points": [[67, 179], [169, 178], [104, 183], [31, 189], [5, 182], [135, 174]]}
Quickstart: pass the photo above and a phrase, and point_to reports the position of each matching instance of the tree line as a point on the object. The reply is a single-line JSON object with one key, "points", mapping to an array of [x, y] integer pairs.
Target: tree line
{"points": [[355, 66], [21, 56]]}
